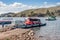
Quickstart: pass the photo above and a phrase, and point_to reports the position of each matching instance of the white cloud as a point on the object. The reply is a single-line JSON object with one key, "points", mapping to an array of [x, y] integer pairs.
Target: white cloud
{"points": [[45, 2], [2, 4], [16, 7], [47, 5], [58, 3]]}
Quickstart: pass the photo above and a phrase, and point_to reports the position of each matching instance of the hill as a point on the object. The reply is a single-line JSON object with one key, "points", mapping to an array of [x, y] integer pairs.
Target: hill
{"points": [[40, 12]]}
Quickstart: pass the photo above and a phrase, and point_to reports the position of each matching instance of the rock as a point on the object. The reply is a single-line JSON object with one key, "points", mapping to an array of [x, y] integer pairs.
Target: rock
{"points": [[19, 34], [31, 33]]}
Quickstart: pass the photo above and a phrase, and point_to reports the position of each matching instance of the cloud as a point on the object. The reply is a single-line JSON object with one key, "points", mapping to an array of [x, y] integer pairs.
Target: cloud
{"points": [[47, 5], [2, 4], [58, 3], [17, 7]]}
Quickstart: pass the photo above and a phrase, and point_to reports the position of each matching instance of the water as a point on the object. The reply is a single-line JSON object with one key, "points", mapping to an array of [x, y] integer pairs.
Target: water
{"points": [[49, 32]]}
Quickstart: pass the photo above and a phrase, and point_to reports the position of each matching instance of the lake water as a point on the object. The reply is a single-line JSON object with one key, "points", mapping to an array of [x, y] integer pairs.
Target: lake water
{"points": [[49, 32]]}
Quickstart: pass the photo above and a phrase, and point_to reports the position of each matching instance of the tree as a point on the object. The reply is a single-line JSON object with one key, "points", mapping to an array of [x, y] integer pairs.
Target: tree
{"points": [[48, 13], [52, 13], [32, 12]]}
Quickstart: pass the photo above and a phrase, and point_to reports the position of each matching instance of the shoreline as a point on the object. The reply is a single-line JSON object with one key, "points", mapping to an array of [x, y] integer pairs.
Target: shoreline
{"points": [[18, 34]]}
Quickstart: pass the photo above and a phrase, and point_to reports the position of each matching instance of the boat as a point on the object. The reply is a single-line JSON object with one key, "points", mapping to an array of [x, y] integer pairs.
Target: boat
{"points": [[31, 22], [52, 18]]}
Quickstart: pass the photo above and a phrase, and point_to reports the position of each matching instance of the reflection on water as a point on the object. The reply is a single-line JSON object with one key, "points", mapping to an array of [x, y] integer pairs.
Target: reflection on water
{"points": [[51, 31]]}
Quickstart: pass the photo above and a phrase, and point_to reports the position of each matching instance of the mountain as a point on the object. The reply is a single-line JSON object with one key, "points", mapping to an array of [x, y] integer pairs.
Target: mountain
{"points": [[40, 12], [10, 14]]}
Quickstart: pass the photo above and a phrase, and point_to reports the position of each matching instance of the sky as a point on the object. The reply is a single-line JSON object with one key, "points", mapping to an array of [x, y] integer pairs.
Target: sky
{"points": [[21, 5]]}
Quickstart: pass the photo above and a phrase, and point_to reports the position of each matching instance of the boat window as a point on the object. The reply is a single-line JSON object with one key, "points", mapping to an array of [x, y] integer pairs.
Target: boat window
{"points": [[34, 20]]}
